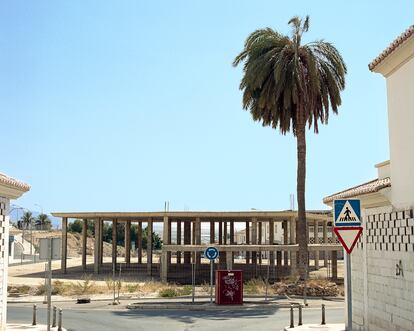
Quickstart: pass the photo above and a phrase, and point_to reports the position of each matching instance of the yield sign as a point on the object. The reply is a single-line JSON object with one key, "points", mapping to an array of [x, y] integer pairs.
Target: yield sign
{"points": [[348, 236]]}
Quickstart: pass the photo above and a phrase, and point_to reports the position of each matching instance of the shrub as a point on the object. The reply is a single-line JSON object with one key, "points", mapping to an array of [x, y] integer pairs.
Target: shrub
{"points": [[168, 293]]}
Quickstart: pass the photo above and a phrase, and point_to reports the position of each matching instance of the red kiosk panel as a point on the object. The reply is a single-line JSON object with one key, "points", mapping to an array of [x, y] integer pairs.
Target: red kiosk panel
{"points": [[229, 287]]}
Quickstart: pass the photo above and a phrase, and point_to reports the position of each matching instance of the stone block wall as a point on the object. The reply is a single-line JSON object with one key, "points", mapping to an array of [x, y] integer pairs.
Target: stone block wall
{"points": [[4, 246], [383, 272]]}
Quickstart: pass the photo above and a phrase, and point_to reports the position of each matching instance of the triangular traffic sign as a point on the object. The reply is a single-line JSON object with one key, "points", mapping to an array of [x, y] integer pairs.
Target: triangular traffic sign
{"points": [[348, 236], [347, 213]]}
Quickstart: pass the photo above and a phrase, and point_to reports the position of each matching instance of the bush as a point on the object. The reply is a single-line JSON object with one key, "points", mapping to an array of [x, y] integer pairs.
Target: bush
{"points": [[186, 290], [131, 288], [168, 293]]}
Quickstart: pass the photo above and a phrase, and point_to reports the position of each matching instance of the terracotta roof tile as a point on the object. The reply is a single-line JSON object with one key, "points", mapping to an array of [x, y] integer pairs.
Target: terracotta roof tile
{"points": [[369, 187], [12, 182], [392, 47]]}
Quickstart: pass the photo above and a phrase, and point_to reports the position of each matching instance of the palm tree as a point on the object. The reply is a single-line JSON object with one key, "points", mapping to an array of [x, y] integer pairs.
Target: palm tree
{"points": [[44, 221], [27, 219], [289, 85]]}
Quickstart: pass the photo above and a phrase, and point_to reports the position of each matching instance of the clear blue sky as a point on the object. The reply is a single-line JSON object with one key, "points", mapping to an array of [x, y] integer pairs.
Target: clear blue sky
{"points": [[121, 105]]}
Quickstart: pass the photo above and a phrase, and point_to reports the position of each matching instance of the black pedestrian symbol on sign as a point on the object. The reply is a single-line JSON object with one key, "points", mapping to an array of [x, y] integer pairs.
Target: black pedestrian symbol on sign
{"points": [[348, 217]]}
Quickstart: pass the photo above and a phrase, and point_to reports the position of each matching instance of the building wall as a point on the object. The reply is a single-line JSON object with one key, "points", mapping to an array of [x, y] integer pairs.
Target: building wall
{"points": [[401, 135], [382, 299], [4, 238]]}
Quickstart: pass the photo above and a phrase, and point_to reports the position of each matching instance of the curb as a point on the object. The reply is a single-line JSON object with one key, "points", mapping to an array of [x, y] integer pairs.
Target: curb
{"points": [[203, 306]]}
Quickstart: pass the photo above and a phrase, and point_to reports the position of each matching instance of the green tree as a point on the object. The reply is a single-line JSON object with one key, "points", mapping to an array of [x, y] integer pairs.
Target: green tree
{"points": [[289, 86], [75, 226]]}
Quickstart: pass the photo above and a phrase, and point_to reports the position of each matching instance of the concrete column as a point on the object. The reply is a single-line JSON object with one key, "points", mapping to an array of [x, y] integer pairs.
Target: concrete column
{"points": [[197, 232], [316, 239], [114, 246], [127, 241], [293, 255], [187, 241], [64, 244], [285, 242], [325, 241], [169, 243], [139, 242], [259, 239], [97, 247], [229, 262], [220, 233], [271, 242], [247, 241], [212, 234], [334, 265], [278, 263], [225, 233], [178, 241], [164, 256], [100, 252], [149, 248], [232, 242], [254, 240], [84, 243]]}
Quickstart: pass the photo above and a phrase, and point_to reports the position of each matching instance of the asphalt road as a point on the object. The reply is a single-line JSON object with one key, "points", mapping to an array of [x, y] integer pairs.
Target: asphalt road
{"points": [[102, 317]]}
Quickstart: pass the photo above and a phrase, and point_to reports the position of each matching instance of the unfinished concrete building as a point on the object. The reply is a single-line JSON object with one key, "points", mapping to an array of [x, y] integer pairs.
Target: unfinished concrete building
{"points": [[183, 245]]}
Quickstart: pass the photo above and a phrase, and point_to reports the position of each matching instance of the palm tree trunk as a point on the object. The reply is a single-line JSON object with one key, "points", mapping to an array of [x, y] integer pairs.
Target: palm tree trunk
{"points": [[301, 230]]}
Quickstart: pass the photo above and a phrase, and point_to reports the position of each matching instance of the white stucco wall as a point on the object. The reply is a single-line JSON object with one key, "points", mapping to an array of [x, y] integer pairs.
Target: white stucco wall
{"points": [[4, 246], [383, 300], [400, 95]]}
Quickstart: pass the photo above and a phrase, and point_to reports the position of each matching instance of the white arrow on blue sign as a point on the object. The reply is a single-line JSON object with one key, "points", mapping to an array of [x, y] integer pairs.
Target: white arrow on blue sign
{"points": [[347, 212], [211, 253]]}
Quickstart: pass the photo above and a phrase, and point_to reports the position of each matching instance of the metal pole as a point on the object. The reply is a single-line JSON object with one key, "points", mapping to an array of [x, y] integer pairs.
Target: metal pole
{"points": [[34, 315], [60, 320], [323, 315], [54, 317], [211, 280], [349, 290], [292, 324], [300, 314], [49, 282]]}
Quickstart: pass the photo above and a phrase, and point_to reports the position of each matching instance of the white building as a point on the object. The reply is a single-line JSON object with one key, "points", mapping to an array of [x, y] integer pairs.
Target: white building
{"points": [[383, 261], [10, 188]]}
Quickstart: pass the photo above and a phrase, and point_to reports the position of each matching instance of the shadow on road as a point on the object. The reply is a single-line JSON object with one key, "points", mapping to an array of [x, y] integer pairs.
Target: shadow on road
{"points": [[190, 316]]}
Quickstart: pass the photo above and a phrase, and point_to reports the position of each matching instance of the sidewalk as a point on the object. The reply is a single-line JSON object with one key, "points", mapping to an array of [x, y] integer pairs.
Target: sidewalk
{"points": [[317, 327], [19, 327]]}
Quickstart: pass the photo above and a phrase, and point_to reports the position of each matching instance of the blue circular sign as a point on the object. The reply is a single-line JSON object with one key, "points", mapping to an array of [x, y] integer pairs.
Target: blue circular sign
{"points": [[211, 253]]}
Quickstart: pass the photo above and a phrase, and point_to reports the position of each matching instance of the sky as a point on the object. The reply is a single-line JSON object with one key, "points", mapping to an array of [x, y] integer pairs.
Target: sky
{"points": [[123, 105]]}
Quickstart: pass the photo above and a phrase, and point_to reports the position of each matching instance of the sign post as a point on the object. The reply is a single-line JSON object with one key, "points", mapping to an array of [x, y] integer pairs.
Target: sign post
{"points": [[49, 250], [347, 219], [211, 253]]}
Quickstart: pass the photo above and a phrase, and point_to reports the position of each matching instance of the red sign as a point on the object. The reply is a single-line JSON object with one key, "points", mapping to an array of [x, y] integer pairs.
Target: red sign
{"points": [[348, 236], [229, 287]]}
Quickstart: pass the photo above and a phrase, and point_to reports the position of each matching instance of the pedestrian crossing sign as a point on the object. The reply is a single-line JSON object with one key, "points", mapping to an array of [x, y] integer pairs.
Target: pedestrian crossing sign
{"points": [[347, 212]]}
